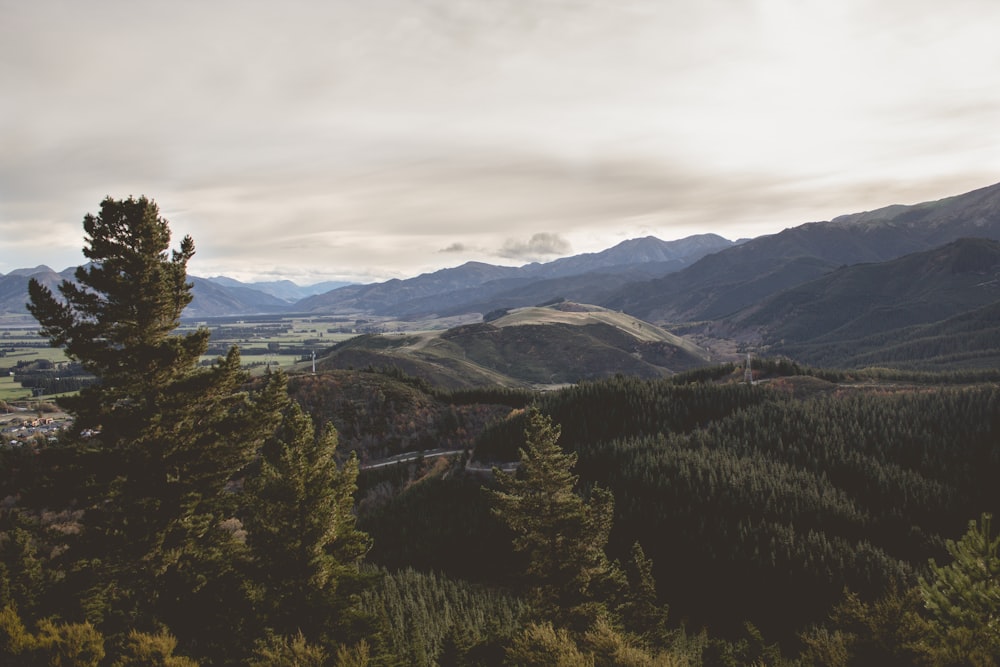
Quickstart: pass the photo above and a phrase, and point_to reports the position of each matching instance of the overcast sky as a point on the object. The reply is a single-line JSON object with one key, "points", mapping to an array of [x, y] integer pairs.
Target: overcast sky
{"points": [[369, 139]]}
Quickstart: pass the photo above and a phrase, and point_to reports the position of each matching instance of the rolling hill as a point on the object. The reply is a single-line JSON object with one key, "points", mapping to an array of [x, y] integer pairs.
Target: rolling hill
{"points": [[536, 346]]}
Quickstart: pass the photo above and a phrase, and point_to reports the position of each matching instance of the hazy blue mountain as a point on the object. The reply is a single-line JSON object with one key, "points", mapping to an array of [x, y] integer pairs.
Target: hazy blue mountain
{"points": [[699, 278], [211, 299], [282, 289], [474, 286], [41, 269], [14, 287]]}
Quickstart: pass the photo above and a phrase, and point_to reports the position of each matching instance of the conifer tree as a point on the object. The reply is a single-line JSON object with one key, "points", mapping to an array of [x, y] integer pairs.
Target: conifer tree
{"points": [[562, 535], [301, 528], [641, 613], [962, 599], [157, 438]]}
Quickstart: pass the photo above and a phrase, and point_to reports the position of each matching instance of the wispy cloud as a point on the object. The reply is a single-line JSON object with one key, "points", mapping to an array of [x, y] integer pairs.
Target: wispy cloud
{"points": [[540, 246]]}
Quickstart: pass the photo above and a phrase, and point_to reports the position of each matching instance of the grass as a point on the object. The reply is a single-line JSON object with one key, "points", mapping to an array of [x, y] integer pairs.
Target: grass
{"points": [[538, 347], [12, 391], [636, 328]]}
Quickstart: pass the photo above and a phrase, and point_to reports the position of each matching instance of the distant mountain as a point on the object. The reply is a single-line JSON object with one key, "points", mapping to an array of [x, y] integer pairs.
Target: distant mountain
{"points": [[728, 281], [563, 343], [475, 285], [383, 298], [631, 253], [14, 286], [703, 278], [863, 314], [209, 299], [282, 289], [41, 269], [212, 299]]}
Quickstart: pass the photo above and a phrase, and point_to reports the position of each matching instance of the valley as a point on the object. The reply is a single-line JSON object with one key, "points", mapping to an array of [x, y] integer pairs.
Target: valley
{"points": [[486, 463]]}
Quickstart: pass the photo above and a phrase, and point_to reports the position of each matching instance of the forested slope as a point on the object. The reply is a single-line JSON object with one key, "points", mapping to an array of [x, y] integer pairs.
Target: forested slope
{"points": [[753, 503]]}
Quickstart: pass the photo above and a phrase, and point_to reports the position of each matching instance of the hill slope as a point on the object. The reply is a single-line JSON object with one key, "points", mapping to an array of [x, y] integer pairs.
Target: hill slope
{"points": [[733, 279], [863, 313], [561, 344]]}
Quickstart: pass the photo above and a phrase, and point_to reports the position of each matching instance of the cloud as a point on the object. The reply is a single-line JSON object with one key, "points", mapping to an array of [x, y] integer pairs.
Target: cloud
{"points": [[540, 245], [376, 140]]}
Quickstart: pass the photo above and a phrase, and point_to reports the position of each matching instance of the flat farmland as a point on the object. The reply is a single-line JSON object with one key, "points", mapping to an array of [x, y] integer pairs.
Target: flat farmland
{"points": [[272, 341]]}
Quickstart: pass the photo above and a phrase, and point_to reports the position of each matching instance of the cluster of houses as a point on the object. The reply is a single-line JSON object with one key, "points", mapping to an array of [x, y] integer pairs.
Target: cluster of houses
{"points": [[20, 431]]}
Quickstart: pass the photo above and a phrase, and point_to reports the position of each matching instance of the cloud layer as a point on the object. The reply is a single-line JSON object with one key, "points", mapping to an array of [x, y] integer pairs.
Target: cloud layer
{"points": [[385, 138]]}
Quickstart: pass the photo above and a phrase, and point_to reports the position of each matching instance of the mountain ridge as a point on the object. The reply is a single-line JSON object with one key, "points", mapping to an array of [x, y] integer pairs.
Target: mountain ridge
{"points": [[445, 288], [725, 282]]}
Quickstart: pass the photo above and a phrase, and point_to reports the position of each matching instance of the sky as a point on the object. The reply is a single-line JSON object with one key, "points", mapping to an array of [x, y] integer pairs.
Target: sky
{"points": [[366, 140]]}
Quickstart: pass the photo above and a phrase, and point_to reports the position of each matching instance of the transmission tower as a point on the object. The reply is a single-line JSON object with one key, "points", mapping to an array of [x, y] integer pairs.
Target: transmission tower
{"points": [[748, 372]]}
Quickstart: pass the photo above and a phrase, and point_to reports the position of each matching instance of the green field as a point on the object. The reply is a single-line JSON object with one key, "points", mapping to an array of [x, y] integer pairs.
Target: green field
{"points": [[285, 343], [12, 391], [21, 344], [277, 342]]}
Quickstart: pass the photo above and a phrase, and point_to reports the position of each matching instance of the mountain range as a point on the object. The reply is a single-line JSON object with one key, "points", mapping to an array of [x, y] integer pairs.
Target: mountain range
{"points": [[459, 288], [911, 285]]}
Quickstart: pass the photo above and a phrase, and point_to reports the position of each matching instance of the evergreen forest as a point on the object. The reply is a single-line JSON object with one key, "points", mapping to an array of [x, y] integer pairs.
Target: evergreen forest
{"points": [[195, 515]]}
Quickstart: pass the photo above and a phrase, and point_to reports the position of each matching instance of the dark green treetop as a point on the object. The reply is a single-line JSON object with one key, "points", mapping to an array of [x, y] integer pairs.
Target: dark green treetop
{"points": [[301, 527], [962, 600], [118, 317], [171, 436], [563, 535]]}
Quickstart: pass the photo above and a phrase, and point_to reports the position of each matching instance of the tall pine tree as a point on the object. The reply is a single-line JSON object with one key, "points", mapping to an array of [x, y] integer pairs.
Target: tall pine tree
{"points": [[563, 536], [157, 438], [301, 531]]}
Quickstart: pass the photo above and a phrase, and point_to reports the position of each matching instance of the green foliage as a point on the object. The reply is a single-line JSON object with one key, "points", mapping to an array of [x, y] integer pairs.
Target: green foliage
{"points": [[170, 435], [66, 644], [152, 650], [301, 527], [949, 619], [21, 570], [358, 655], [117, 318], [432, 614], [882, 632], [748, 649], [962, 600], [641, 611], [441, 523], [293, 651], [602, 645], [379, 415], [15, 640], [542, 645], [57, 644], [562, 535]]}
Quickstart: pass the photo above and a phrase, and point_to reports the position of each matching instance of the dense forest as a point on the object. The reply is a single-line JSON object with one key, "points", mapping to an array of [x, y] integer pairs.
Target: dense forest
{"points": [[196, 515]]}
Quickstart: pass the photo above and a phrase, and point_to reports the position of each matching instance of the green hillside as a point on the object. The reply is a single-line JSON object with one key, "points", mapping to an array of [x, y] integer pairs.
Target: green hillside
{"points": [[528, 347], [933, 309]]}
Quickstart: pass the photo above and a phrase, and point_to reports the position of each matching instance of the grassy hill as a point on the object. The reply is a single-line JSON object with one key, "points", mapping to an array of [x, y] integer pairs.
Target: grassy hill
{"points": [[538, 346]]}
